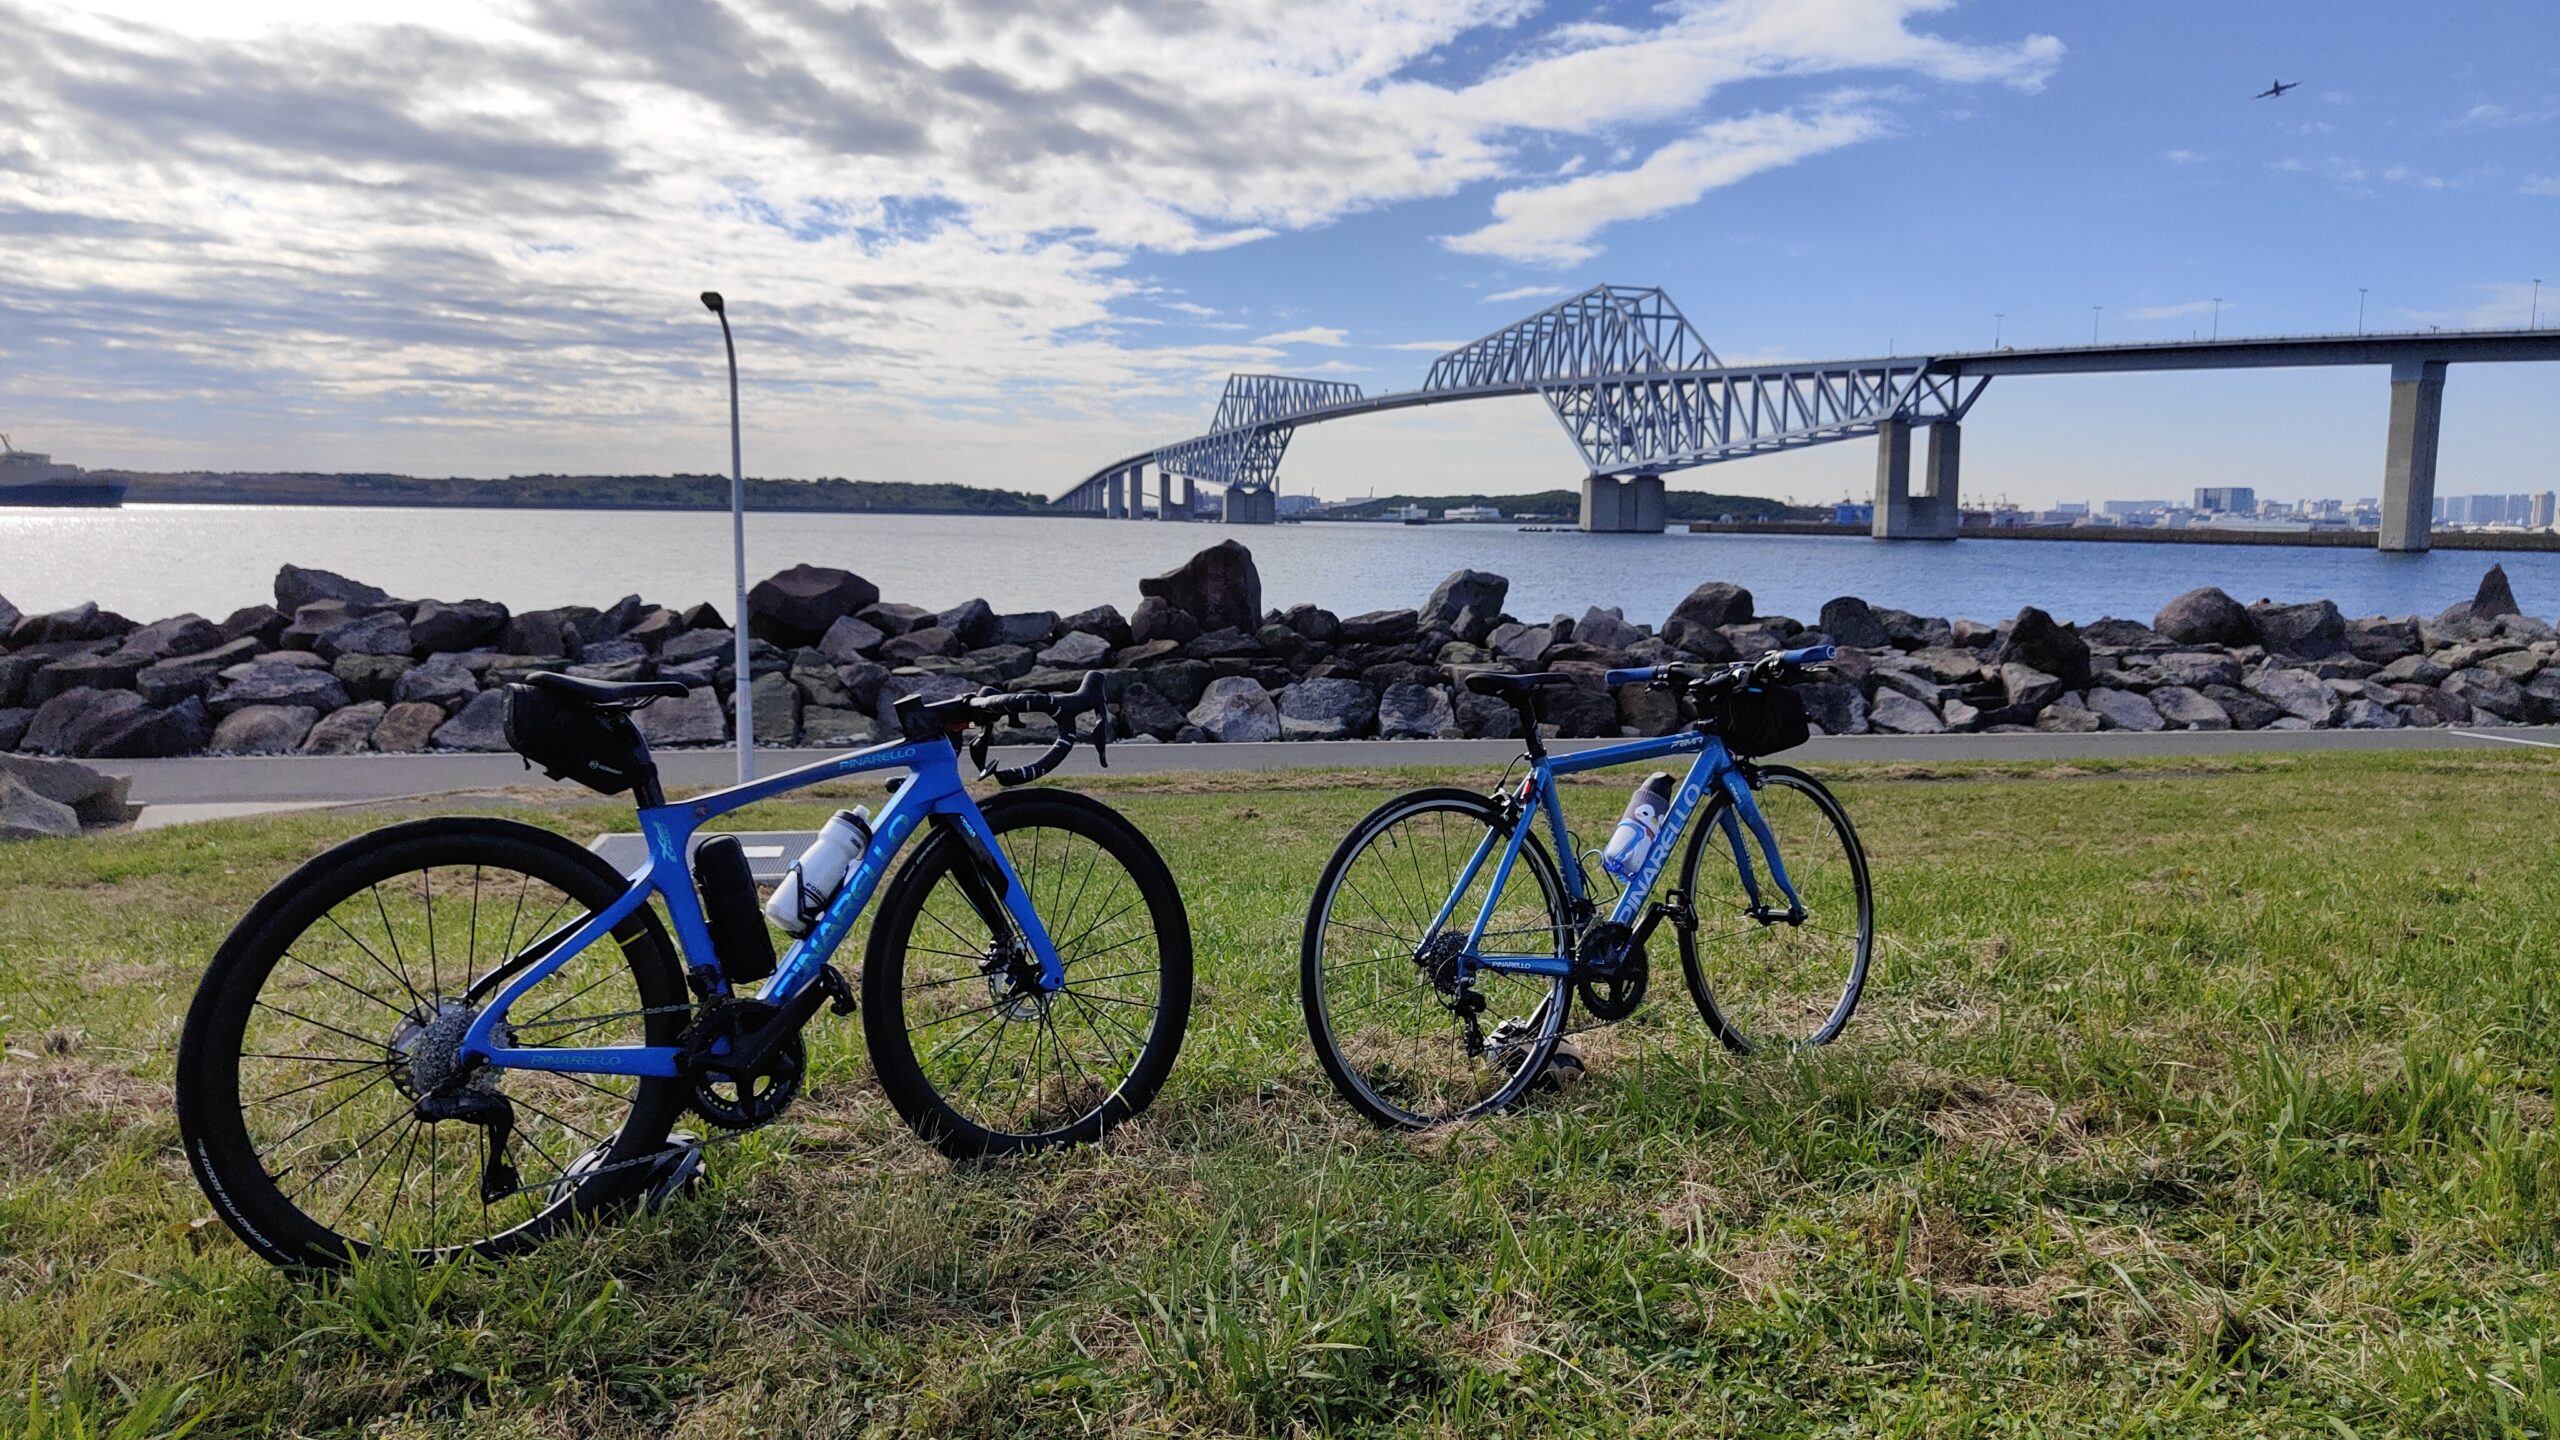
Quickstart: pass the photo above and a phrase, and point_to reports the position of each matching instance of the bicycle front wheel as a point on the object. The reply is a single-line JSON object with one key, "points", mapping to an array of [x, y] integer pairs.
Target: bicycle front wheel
{"points": [[972, 1052], [1406, 1033], [1767, 973]]}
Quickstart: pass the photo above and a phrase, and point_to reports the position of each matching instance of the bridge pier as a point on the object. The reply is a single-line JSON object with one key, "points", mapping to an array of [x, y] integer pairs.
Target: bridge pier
{"points": [[1932, 514], [1251, 507], [1115, 503], [1164, 498], [2409, 456], [1611, 506]]}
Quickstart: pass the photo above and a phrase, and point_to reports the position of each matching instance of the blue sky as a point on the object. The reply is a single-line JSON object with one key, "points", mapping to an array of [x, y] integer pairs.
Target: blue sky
{"points": [[1003, 243]]}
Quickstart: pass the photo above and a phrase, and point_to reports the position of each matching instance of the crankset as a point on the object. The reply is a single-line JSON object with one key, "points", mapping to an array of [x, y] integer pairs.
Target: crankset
{"points": [[1610, 971]]}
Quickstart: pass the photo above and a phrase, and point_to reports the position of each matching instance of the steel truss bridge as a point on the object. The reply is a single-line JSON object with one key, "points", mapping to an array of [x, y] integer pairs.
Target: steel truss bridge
{"points": [[1640, 394]]}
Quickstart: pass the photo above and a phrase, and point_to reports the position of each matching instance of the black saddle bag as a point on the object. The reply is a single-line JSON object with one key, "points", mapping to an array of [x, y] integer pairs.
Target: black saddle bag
{"points": [[1759, 720], [569, 740]]}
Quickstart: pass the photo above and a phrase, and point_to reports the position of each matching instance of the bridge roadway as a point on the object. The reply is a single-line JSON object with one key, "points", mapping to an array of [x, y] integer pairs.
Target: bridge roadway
{"points": [[1599, 361], [175, 791]]}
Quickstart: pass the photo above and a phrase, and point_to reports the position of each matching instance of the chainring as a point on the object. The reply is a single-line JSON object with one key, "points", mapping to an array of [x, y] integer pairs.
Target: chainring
{"points": [[734, 1100], [1610, 972]]}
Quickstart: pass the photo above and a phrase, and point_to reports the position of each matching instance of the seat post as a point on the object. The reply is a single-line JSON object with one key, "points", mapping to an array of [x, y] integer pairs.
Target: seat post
{"points": [[1526, 702]]}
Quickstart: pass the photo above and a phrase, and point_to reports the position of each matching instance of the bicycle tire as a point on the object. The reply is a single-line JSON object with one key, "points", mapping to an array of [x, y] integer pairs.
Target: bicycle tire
{"points": [[1734, 1035], [890, 1023], [212, 1116], [1345, 1070]]}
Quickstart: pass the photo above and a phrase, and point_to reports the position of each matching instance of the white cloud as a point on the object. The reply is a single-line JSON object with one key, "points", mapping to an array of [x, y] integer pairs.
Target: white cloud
{"points": [[1308, 335], [2186, 157], [269, 233], [2542, 185], [1554, 223], [1426, 347], [1524, 292]]}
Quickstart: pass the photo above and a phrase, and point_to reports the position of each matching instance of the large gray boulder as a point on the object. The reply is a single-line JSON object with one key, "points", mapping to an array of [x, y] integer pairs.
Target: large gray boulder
{"points": [[148, 733], [83, 672], [696, 719], [297, 587], [849, 640], [917, 644], [1143, 710], [1895, 713], [1836, 706], [345, 732], [407, 727], [2380, 640], [177, 677], [2298, 693], [26, 815], [1077, 650], [1330, 709], [2484, 689], [1466, 604], [1380, 627], [777, 706], [1416, 711], [177, 635], [1849, 620], [1236, 709], [1714, 604], [2189, 709], [481, 726], [441, 625], [1519, 646], [371, 677], [2206, 616], [1219, 587], [269, 684], [2195, 669], [2124, 635], [2030, 687], [974, 621], [795, 606], [2124, 710], [1159, 620], [1103, 620], [444, 682], [2311, 631], [69, 721], [95, 797], [541, 632], [263, 730], [1605, 629], [2036, 639]]}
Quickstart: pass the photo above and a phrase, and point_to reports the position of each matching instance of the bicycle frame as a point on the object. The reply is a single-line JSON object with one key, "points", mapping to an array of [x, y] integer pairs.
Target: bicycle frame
{"points": [[1713, 768], [934, 789]]}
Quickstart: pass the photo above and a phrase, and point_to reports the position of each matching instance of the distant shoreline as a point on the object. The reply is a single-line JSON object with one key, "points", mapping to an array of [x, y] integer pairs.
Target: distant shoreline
{"points": [[574, 507], [2127, 535]]}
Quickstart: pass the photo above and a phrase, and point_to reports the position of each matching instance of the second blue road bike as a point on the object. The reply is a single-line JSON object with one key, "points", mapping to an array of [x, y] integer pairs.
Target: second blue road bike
{"points": [[1447, 942], [463, 1034]]}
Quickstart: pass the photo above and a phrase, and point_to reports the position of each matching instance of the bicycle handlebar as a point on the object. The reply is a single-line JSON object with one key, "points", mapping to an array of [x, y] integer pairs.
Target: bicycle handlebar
{"points": [[1088, 697], [1767, 667]]}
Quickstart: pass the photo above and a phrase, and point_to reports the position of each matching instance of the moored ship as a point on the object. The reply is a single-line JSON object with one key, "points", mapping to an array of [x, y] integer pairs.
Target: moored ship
{"points": [[27, 478]]}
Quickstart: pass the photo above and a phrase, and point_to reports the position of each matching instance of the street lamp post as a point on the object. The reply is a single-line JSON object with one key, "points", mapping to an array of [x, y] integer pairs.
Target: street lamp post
{"points": [[2536, 323], [744, 687], [2217, 317], [2094, 312], [1996, 318], [2359, 309]]}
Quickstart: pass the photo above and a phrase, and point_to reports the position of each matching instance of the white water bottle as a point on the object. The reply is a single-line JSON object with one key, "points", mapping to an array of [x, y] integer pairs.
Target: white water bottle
{"points": [[1632, 841], [819, 872]]}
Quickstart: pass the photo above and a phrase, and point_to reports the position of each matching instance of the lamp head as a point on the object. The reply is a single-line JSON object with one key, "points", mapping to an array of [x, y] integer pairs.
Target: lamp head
{"points": [[711, 301]]}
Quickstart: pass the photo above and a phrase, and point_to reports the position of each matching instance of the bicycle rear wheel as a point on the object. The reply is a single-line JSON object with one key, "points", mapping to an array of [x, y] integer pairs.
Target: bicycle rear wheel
{"points": [[1762, 975], [340, 999], [1386, 1011], [976, 1057]]}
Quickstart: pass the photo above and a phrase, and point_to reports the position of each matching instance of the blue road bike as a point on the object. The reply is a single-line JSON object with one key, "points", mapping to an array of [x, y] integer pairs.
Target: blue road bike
{"points": [[1447, 942], [463, 1034]]}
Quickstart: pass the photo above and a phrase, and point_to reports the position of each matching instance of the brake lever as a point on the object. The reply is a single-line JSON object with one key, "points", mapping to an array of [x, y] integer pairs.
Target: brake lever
{"points": [[978, 748]]}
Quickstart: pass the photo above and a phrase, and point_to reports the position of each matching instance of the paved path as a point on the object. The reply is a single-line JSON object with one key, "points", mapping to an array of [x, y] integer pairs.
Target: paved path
{"points": [[285, 780]]}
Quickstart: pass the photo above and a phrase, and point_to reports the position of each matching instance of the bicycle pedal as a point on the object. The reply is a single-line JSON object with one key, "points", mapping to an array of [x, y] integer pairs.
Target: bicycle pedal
{"points": [[674, 1171]]}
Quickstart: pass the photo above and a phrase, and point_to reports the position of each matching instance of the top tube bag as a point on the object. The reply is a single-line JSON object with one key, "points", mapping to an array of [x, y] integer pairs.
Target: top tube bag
{"points": [[568, 740], [1755, 720]]}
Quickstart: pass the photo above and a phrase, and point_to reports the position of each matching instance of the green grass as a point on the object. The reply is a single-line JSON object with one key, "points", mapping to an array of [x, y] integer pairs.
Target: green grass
{"points": [[2191, 1099]]}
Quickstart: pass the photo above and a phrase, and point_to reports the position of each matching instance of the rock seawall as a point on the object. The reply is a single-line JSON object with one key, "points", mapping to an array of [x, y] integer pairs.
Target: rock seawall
{"points": [[337, 666]]}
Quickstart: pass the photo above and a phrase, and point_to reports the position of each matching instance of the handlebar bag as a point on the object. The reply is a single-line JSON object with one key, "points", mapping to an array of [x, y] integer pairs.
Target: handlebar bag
{"points": [[1758, 720], [567, 740]]}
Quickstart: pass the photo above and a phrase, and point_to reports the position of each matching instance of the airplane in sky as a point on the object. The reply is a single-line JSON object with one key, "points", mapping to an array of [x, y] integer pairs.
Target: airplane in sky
{"points": [[2277, 88]]}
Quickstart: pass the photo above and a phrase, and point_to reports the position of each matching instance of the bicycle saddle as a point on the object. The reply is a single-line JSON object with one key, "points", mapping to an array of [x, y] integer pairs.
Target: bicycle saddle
{"points": [[1512, 687], [609, 694]]}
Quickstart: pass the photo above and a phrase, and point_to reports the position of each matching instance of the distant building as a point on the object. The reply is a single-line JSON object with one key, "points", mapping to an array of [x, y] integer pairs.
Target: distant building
{"points": [[2546, 511], [2227, 499], [1476, 513], [1853, 512], [2129, 509], [1299, 506]]}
